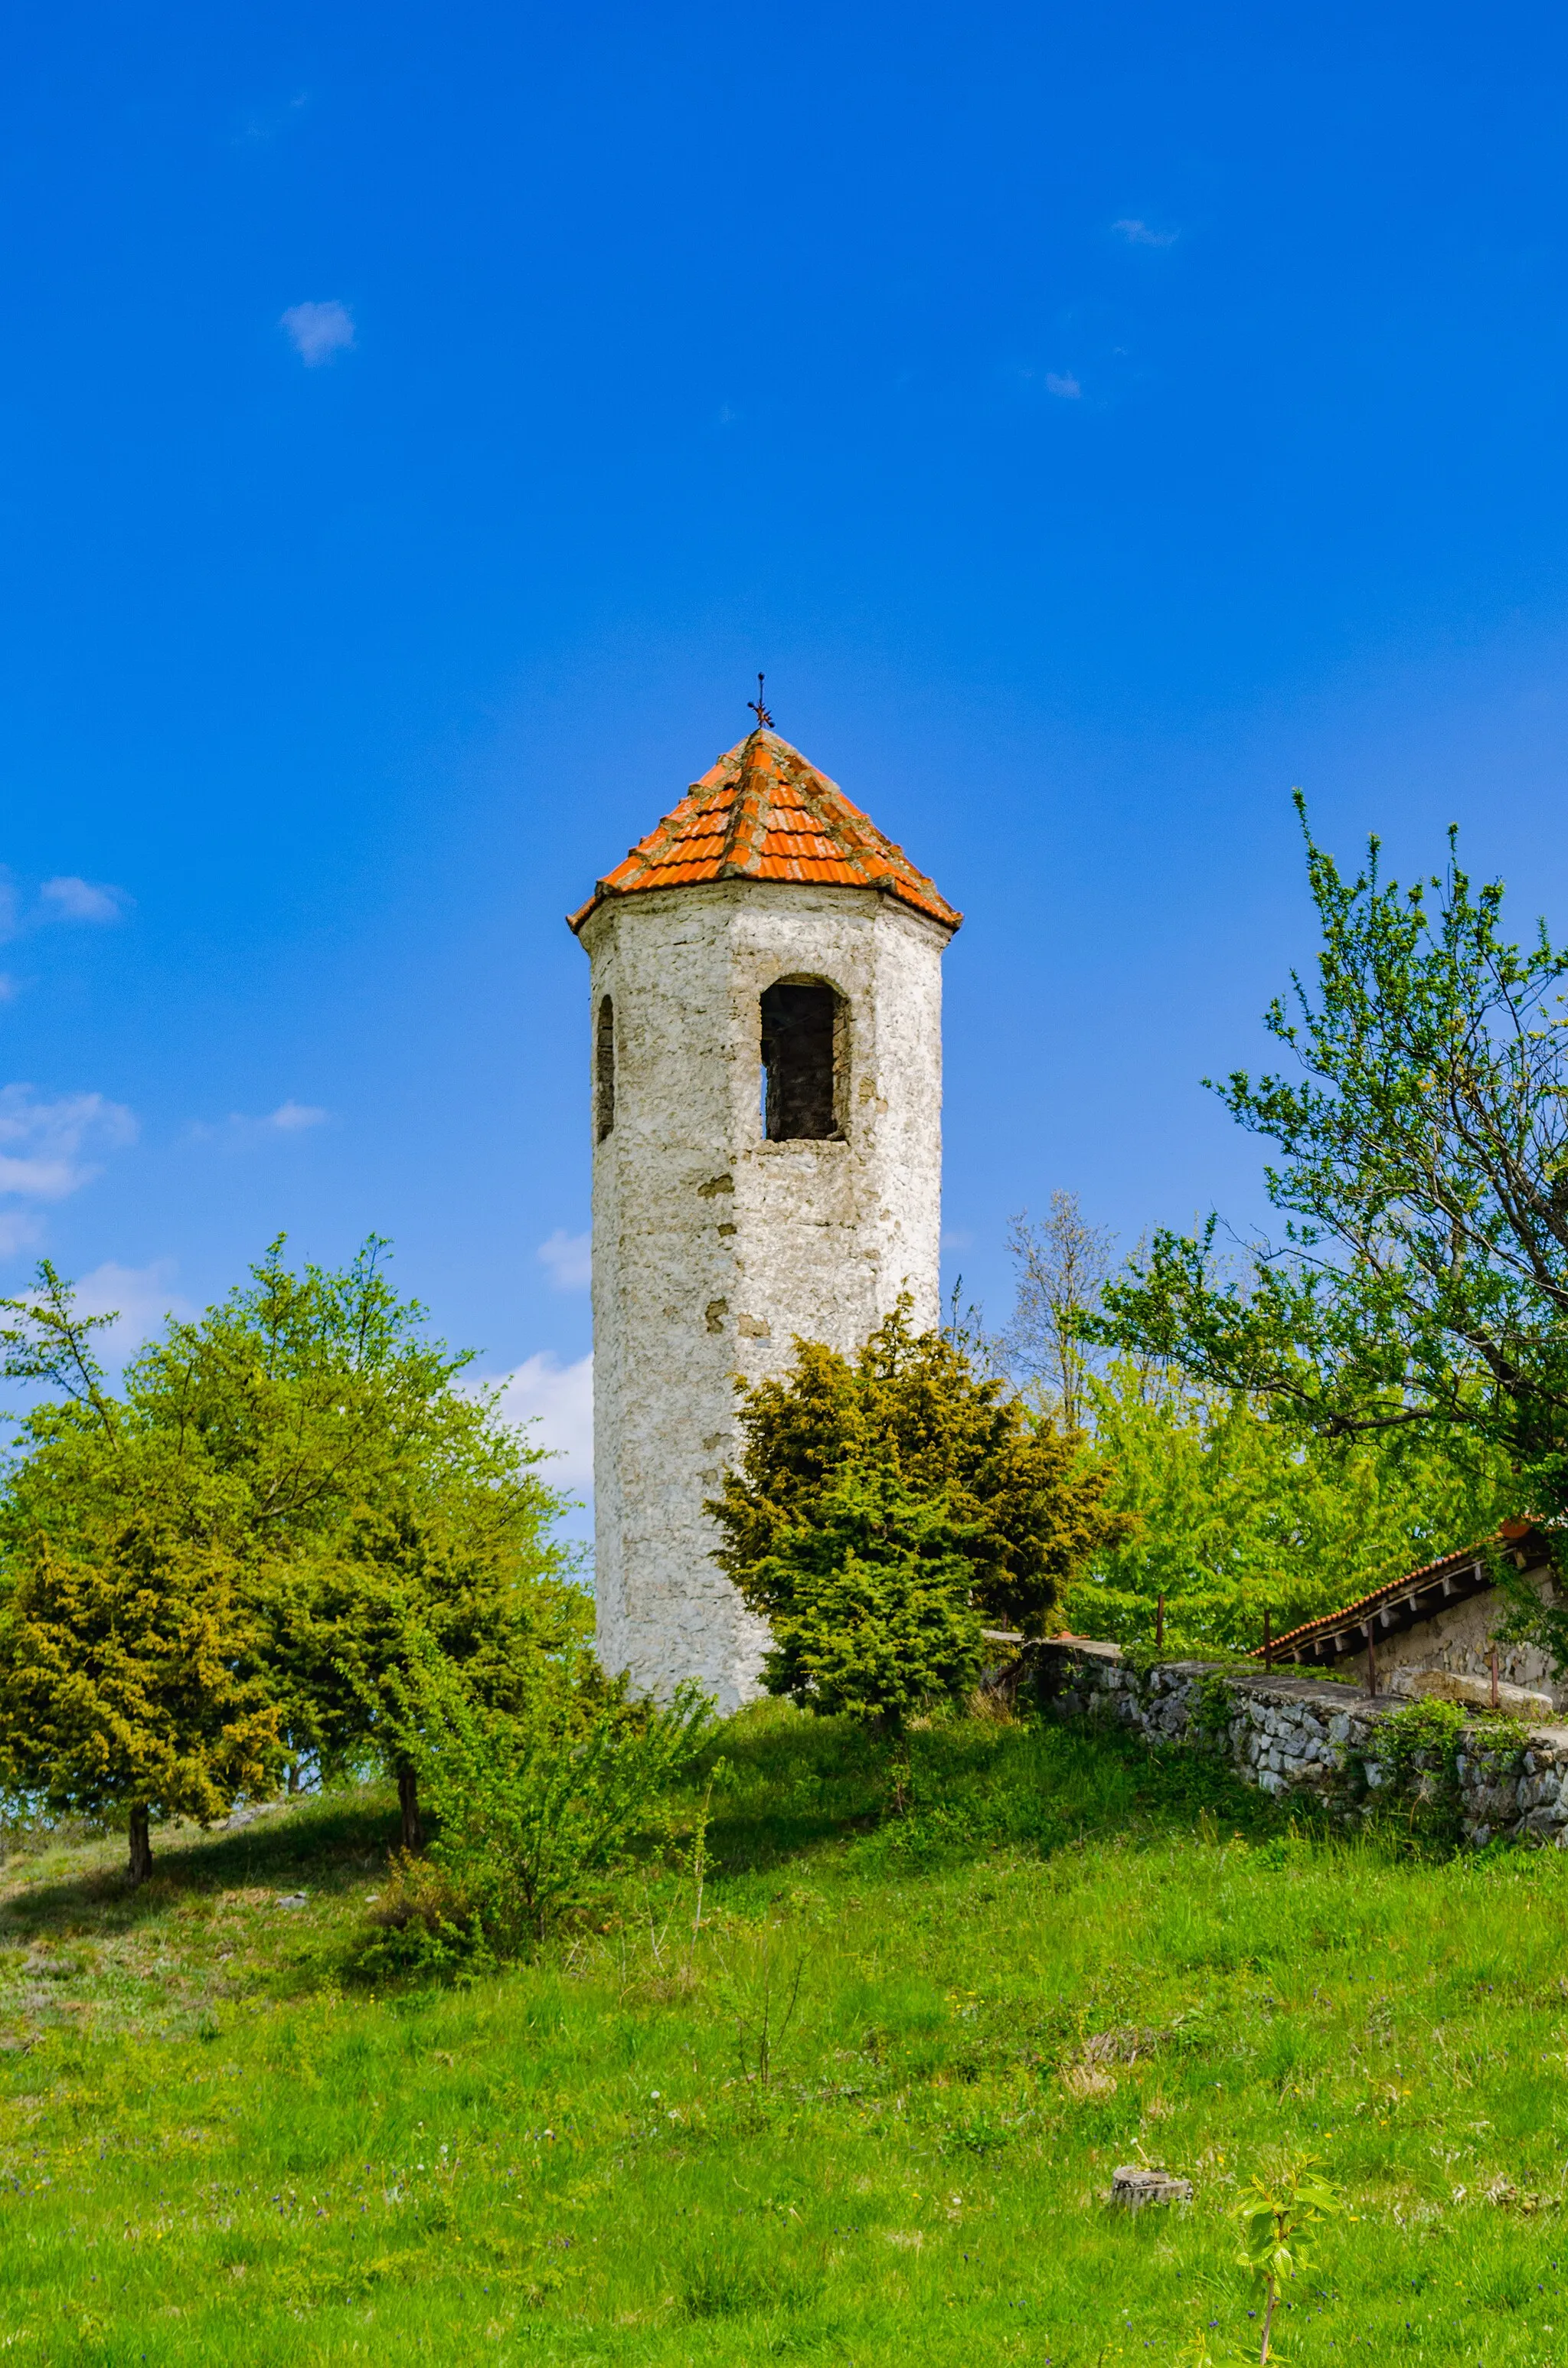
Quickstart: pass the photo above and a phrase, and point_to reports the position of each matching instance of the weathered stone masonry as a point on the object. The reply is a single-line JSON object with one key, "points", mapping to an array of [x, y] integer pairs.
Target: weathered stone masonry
{"points": [[1322, 1742], [765, 1013]]}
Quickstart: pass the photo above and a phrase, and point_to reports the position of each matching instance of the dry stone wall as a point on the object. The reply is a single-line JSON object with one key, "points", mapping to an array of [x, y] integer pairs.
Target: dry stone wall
{"points": [[1297, 1736]]}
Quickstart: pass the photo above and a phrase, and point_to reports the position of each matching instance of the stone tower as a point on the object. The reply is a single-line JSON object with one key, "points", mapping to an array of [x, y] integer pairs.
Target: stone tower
{"points": [[767, 1105]]}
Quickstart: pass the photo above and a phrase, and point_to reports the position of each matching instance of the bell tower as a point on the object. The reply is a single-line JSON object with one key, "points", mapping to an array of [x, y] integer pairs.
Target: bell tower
{"points": [[767, 1092]]}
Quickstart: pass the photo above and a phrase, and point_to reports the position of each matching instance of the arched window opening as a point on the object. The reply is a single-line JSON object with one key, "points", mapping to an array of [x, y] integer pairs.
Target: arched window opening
{"points": [[604, 1068], [800, 1061]]}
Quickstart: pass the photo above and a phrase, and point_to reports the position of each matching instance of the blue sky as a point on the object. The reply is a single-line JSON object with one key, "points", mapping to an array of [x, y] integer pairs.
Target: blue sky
{"points": [[421, 424]]}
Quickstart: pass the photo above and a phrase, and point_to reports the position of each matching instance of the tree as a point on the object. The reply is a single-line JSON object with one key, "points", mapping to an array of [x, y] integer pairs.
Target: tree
{"points": [[348, 1623], [1277, 2218], [1421, 1285], [1011, 1506], [1063, 1264], [308, 1431], [130, 1680], [386, 1499], [1242, 1516]]}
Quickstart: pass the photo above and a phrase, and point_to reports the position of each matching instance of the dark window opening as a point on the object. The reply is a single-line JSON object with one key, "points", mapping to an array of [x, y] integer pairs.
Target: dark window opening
{"points": [[799, 1027], [604, 1068]]}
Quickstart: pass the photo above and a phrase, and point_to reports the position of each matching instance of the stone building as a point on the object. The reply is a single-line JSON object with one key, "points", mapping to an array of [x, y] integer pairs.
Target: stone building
{"points": [[766, 1089]]}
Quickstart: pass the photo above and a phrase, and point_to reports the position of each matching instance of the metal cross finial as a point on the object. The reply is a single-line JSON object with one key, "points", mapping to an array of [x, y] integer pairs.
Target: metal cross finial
{"points": [[764, 721]]}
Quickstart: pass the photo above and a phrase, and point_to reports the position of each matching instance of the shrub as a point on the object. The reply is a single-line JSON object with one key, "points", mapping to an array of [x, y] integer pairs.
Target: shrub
{"points": [[536, 1805], [423, 1922], [869, 1604], [1425, 1730], [1023, 1502]]}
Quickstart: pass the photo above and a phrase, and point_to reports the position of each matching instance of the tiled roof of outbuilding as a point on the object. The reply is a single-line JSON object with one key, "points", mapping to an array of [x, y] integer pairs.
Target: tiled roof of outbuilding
{"points": [[763, 812], [1417, 1595]]}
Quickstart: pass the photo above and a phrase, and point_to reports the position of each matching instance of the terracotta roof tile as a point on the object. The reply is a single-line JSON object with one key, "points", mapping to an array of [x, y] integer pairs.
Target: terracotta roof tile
{"points": [[1519, 1537], [763, 812]]}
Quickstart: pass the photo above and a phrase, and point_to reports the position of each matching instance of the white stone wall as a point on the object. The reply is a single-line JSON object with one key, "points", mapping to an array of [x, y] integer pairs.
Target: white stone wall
{"points": [[1460, 1643], [714, 1248]]}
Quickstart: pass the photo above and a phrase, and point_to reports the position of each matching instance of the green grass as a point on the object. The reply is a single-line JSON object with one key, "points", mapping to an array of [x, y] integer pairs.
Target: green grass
{"points": [[214, 2146]]}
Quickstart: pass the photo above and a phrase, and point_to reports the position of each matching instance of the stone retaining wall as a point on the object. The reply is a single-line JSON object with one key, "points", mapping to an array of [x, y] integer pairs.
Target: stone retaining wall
{"points": [[1291, 1735]]}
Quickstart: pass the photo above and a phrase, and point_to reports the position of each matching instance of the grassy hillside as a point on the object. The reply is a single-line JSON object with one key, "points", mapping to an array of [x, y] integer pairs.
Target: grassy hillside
{"points": [[867, 2115]]}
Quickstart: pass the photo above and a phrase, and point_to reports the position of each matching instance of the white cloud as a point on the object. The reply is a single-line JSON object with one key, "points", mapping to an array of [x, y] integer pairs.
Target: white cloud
{"points": [[66, 897], [19, 1230], [318, 331], [83, 899], [41, 1143], [137, 1297], [1063, 382], [289, 1118], [557, 1402], [293, 1118], [569, 1257], [9, 987], [1138, 233]]}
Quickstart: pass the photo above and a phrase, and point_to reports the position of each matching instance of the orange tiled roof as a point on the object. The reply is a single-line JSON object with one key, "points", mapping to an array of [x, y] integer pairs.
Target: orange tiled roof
{"points": [[1520, 1540], [764, 813]]}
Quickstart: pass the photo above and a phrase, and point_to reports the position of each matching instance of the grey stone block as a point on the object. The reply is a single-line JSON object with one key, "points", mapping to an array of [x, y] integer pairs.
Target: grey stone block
{"points": [[1132, 2187]]}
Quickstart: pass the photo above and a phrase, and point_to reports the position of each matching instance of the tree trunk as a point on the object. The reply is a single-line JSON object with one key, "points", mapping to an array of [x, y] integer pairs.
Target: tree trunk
{"points": [[408, 1803], [900, 1771], [141, 1844]]}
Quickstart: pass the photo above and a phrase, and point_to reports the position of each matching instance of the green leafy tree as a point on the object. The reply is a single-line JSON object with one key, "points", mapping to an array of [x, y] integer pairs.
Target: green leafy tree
{"points": [[1277, 2219], [131, 1680], [1420, 1286], [347, 1621], [1241, 1515], [311, 1431], [889, 1504]]}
